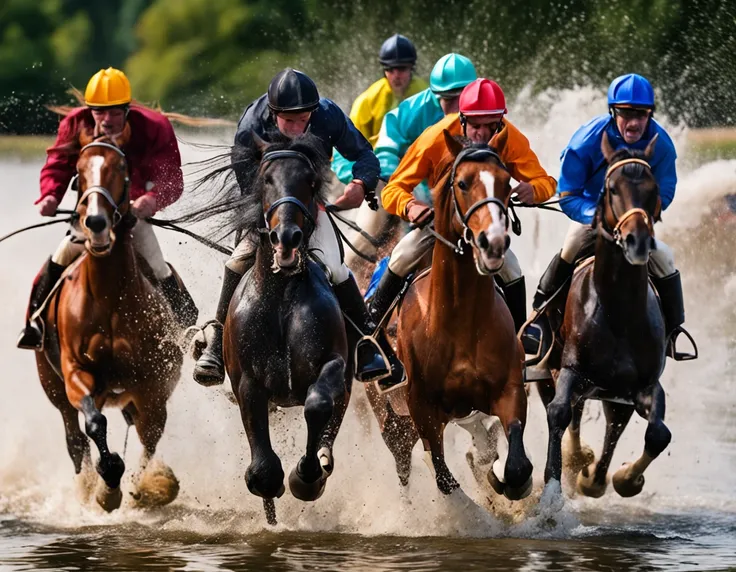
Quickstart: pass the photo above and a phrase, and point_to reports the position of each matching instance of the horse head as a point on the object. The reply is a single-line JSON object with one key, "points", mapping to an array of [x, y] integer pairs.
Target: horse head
{"points": [[481, 187], [630, 203], [103, 189], [289, 180]]}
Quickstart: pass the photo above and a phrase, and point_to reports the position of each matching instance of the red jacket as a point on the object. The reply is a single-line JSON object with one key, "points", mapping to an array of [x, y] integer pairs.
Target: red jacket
{"points": [[152, 154]]}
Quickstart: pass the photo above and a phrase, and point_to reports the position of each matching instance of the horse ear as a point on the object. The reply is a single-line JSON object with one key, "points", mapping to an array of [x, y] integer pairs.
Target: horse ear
{"points": [[607, 148], [649, 151], [261, 145], [453, 145]]}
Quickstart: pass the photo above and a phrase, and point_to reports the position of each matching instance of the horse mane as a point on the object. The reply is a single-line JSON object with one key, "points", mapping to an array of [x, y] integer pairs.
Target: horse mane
{"points": [[180, 118], [230, 192], [635, 171]]}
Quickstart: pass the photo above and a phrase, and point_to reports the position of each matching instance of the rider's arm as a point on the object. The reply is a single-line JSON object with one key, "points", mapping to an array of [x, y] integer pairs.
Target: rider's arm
{"points": [[666, 174], [416, 166], [354, 147], [342, 168], [571, 188], [524, 166], [61, 161], [164, 179]]}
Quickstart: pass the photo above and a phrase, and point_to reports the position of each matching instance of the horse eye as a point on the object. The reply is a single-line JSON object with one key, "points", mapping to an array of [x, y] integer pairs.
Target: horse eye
{"points": [[462, 186]]}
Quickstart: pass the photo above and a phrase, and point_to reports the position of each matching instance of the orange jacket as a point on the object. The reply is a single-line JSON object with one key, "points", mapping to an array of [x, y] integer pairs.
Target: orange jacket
{"points": [[426, 156]]}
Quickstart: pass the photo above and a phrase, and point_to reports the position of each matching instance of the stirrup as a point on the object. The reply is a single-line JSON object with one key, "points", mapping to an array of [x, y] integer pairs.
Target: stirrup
{"points": [[38, 325], [672, 346], [386, 365]]}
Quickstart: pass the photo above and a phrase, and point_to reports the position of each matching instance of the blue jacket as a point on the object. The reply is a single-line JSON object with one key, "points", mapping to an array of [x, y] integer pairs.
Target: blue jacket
{"points": [[329, 123], [583, 167]]}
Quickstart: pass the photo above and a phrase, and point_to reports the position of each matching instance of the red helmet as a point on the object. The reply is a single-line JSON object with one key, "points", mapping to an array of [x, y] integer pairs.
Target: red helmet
{"points": [[482, 97]]}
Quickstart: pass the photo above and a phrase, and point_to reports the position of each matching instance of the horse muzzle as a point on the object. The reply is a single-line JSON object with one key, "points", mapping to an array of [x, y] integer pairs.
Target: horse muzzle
{"points": [[286, 241], [99, 235], [489, 252], [637, 246]]}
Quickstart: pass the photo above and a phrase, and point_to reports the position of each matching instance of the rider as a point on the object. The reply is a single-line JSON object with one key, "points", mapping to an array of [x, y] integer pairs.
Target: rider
{"points": [[482, 109], [403, 125], [156, 181], [629, 123], [293, 106]]}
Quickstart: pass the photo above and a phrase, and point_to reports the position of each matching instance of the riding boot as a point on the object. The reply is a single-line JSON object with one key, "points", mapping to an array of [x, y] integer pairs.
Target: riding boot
{"points": [[180, 301], [389, 287], [673, 309], [555, 279], [369, 363], [515, 293], [210, 369], [31, 338]]}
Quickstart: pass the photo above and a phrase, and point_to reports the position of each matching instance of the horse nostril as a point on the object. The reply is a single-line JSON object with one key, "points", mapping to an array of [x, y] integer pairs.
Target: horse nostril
{"points": [[273, 236], [483, 241], [297, 238], [630, 240], [96, 223], [506, 243]]}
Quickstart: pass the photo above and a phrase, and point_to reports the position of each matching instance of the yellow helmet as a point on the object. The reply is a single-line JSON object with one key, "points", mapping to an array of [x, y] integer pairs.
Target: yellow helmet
{"points": [[107, 88]]}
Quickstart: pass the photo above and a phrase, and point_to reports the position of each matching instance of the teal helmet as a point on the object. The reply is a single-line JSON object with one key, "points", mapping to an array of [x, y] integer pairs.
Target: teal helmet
{"points": [[451, 73]]}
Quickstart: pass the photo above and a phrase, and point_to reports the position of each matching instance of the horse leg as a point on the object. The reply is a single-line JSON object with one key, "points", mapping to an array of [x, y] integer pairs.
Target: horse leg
{"points": [[593, 479], [307, 480], [517, 473], [546, 391], [430, 426], [400, 436], [629, 479], [264, 476], [576, 455], [483, 449], [559, 415]]}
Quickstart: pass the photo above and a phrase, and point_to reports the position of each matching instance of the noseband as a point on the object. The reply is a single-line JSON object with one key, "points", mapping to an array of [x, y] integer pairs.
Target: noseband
{"points": [[478, 156], [270, 156], [99, 190], [615, 234]]}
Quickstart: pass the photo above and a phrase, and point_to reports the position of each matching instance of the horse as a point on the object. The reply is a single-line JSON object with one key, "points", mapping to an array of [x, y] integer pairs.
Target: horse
{"points": [[107, 335], [455, 334], [611, 342], [284, 338]]}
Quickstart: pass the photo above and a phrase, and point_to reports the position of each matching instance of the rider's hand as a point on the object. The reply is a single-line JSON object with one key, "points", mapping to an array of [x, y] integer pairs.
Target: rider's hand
{"points": [[418, 213], [144, 207], [524, 193], [48, 206], [352, 196]]}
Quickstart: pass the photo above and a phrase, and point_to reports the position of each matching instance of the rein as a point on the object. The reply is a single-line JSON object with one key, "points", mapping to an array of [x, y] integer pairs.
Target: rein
{"points": [[99, 190]]}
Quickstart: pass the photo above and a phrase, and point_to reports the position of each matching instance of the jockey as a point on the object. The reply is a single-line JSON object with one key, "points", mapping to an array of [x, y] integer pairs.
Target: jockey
{"points": [[156, 181], [293, 105], [482, 109], [629, 123], [403, 125]]}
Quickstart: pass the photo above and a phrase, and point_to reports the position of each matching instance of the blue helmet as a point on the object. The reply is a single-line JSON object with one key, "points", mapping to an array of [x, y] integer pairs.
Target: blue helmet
{"points": [[631, 90]]}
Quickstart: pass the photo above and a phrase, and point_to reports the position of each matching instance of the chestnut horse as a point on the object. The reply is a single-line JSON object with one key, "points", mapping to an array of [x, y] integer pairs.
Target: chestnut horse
{"points": [[107, 336], [456, 336], [612, 339], [284, 338]]}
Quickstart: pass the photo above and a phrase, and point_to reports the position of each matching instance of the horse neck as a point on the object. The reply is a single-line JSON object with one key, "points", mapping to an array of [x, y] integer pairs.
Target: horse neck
{"points": [[622, 287], [111, 274]]}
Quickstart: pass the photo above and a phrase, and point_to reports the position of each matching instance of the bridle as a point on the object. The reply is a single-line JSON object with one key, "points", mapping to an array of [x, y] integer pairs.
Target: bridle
{"points": [[271, 156], [614, 235], [104, 192]]}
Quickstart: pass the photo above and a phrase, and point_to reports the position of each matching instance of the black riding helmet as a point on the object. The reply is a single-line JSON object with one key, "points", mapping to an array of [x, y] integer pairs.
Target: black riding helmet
{"points": [[292, 91], [397, 51]]}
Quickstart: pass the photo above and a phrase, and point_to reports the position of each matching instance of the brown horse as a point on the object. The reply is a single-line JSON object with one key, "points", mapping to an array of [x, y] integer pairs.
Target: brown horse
{"points": [[612, 340], [455, 334], [107, 337]]}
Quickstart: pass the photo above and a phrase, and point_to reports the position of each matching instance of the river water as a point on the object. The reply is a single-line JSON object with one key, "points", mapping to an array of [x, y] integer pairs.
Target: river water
{"points": [[685, 519]]}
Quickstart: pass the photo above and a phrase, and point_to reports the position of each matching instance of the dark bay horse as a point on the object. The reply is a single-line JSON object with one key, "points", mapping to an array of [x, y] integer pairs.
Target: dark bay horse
{"points": [[284, 337], [456, 336], [613, 334], [108, 335]]}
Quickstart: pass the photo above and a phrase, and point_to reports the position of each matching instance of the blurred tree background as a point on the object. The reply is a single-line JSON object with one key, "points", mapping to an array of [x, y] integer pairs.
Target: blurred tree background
{"points": [[212, 57]]}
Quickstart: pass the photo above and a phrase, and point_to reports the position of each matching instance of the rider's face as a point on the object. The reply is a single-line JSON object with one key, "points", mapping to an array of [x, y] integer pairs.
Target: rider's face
{"points": [[480, 128], [293, 124], [110, 121], [399, 78], [450, 104], [631, 123]]}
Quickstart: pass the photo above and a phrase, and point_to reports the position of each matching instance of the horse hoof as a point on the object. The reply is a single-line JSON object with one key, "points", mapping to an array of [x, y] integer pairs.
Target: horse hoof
{"points": [[578, 461], [108, 498], [518, 493], [496, 484], [158, 486], [303, 490], [586, 485], [625, 485], [111, 470]]}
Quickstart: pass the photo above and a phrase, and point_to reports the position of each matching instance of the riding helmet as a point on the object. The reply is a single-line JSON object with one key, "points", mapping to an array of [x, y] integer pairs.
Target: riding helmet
{"points": [[397, 51], [292, 91], [451, 74], [631, 90], [482, 97]]}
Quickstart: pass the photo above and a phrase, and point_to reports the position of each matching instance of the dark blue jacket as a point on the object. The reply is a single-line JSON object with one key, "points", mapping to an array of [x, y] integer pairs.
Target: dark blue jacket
{"points": [[330, 124], [584, 168]]}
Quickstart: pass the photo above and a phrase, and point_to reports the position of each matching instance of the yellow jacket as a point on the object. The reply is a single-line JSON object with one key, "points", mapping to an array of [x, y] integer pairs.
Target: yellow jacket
{"points": [[428, 154], [375, 102]]}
